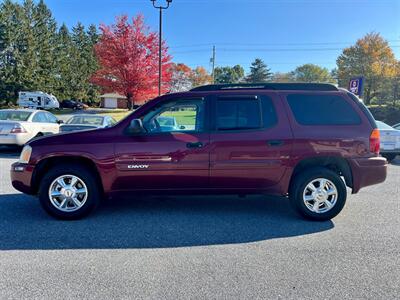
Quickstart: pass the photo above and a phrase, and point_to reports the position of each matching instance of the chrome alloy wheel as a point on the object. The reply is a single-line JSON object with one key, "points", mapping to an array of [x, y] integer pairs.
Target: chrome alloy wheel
{"points": [[68, 193], [320, 195]]}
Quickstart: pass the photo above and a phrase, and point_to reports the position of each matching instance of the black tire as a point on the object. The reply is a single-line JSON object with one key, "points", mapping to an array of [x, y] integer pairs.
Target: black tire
{"points": [[389, 156], [299, 185], [87, 176]]}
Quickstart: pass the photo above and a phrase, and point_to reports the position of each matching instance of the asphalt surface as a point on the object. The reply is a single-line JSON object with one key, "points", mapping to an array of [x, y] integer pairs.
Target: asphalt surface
{"points": [[201, 248]]}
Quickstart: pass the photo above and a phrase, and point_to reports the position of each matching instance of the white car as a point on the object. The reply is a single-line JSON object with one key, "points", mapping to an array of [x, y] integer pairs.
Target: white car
{"points": [[390, 141], [18, 126]]}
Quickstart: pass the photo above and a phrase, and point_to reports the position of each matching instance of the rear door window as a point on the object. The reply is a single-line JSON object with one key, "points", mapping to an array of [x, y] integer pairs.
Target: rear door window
{"points": [[247, 112], [322, 110]]}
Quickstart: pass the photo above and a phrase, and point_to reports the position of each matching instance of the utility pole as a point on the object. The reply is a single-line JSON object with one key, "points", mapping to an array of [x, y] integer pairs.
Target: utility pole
{"points": [[213, 65], [160, 43]]}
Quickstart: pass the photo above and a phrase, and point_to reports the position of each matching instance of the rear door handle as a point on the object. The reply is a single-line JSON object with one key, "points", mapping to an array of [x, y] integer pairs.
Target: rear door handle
{"points": [[194, 145], [275, 143]]}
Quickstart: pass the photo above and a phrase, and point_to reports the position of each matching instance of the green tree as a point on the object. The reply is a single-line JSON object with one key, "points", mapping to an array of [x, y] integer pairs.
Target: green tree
{"points": [[44, 29], [282, 77], [370, 57], [83, 62], [311, 73], [229, 74], [64, 71], [16, 56], [36, 55], [259, 72]]}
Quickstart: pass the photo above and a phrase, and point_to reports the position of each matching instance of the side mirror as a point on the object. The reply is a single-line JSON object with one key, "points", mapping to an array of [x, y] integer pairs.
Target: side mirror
{"points": [[60, 122], [136, 127]]}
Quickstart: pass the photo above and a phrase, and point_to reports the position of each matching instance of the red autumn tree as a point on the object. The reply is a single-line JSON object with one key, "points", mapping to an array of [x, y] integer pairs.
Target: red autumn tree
{"points": [[128, 58]]}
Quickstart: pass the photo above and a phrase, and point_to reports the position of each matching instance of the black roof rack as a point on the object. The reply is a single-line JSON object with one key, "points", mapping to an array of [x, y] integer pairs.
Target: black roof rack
{"points": [[268, 86]]}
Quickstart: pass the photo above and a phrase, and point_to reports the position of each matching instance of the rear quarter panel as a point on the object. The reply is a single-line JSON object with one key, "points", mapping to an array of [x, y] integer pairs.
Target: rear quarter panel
{"points": [[346, 141]]}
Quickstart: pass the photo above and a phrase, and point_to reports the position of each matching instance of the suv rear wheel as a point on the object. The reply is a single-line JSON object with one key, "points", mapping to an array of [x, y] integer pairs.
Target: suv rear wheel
{"points": [[318, 194], [69, 192]]}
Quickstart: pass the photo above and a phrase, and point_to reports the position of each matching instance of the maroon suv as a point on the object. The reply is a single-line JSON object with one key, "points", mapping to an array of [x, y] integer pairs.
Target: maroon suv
{"points": [[304, 141]]}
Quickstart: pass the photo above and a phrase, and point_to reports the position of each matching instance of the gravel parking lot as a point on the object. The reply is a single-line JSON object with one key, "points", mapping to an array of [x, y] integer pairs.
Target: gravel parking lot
{"points": [[201, 247]]}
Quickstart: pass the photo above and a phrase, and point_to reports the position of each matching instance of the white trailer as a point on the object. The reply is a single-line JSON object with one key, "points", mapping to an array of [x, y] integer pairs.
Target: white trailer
{"points": [[37, 100]]}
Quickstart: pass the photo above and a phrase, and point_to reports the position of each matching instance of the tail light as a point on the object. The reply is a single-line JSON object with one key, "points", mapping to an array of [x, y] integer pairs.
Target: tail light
{"points": [[18, 129], [374, 141]]}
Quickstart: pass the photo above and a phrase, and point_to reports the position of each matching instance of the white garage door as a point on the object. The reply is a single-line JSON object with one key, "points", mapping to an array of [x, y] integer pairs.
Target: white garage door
{"points": [[110, 103]]}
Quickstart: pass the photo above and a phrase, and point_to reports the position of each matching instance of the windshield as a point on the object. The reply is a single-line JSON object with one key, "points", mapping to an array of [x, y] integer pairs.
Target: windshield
{"points": [[14, 115], [382, 125], [86, 120]]}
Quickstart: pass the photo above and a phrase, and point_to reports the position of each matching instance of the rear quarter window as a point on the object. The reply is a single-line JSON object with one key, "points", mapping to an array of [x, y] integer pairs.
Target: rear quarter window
{"points": [[322, 110]]}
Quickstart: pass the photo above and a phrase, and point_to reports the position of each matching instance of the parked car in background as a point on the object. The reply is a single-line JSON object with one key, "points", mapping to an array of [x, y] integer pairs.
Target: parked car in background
{"points": [[306, 142], [396, 126], [390, 141], [73, 104], [86, 121], [37, 100], [18, 126]]}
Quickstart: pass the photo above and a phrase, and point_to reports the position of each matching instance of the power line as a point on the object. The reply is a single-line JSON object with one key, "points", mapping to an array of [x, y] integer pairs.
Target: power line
{"points": [[267, 50]]}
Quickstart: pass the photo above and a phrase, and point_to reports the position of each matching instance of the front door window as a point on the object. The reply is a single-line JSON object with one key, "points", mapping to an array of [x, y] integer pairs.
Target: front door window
{"points": [[176, 116]]}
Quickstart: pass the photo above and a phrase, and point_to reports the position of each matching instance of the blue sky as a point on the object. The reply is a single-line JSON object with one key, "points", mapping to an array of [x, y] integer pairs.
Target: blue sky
{"points": [[284, 33]]}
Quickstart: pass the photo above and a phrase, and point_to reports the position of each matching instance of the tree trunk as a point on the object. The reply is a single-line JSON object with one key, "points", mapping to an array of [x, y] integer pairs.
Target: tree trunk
{"points": [[130, 102]]}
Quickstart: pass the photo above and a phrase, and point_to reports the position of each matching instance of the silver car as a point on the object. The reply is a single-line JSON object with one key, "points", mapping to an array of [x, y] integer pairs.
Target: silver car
{"points": [[390, 140], [87, 121], [18, 126]]}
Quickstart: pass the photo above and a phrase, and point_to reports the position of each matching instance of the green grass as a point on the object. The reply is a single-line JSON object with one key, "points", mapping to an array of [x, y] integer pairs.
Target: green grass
{"points": [[183, 117]]}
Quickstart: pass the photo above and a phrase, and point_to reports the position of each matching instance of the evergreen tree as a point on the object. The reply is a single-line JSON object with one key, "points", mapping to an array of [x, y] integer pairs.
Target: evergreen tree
{"points": [[259, 72], [63, 70], [93, 91], [81, 60], [10, 20], [229, 74], [36, 55]]}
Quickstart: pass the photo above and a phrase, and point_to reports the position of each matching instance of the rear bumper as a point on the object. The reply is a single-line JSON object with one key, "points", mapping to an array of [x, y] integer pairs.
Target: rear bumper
{"points": [[15, 139], [367, 171], [21, 177]]}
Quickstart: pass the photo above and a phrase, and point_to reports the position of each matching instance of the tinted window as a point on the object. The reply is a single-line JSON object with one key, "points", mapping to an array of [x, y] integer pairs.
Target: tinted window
{"points": [[322, 110], [238, 113], [268, 112]]}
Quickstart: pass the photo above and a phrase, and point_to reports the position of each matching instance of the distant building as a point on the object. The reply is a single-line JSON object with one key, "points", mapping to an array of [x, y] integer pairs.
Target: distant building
{"points": [[113, 100]]}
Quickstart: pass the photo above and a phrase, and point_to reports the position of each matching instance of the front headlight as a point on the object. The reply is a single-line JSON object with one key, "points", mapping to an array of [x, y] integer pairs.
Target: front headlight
{"points": [[25, 155]]}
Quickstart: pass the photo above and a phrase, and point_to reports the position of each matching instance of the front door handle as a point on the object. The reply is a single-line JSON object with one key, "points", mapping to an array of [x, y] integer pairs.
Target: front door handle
{"points": [[275, 143], [194, 145]]}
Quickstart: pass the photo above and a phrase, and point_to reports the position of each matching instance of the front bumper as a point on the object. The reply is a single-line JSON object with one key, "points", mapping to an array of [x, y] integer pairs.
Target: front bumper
{"points": [[368, 171], [21, 177]]}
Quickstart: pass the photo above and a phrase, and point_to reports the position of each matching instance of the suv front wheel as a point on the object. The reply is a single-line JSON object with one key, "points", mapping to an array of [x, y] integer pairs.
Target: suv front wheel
{"points": [[318, 194], [69, 192]]}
